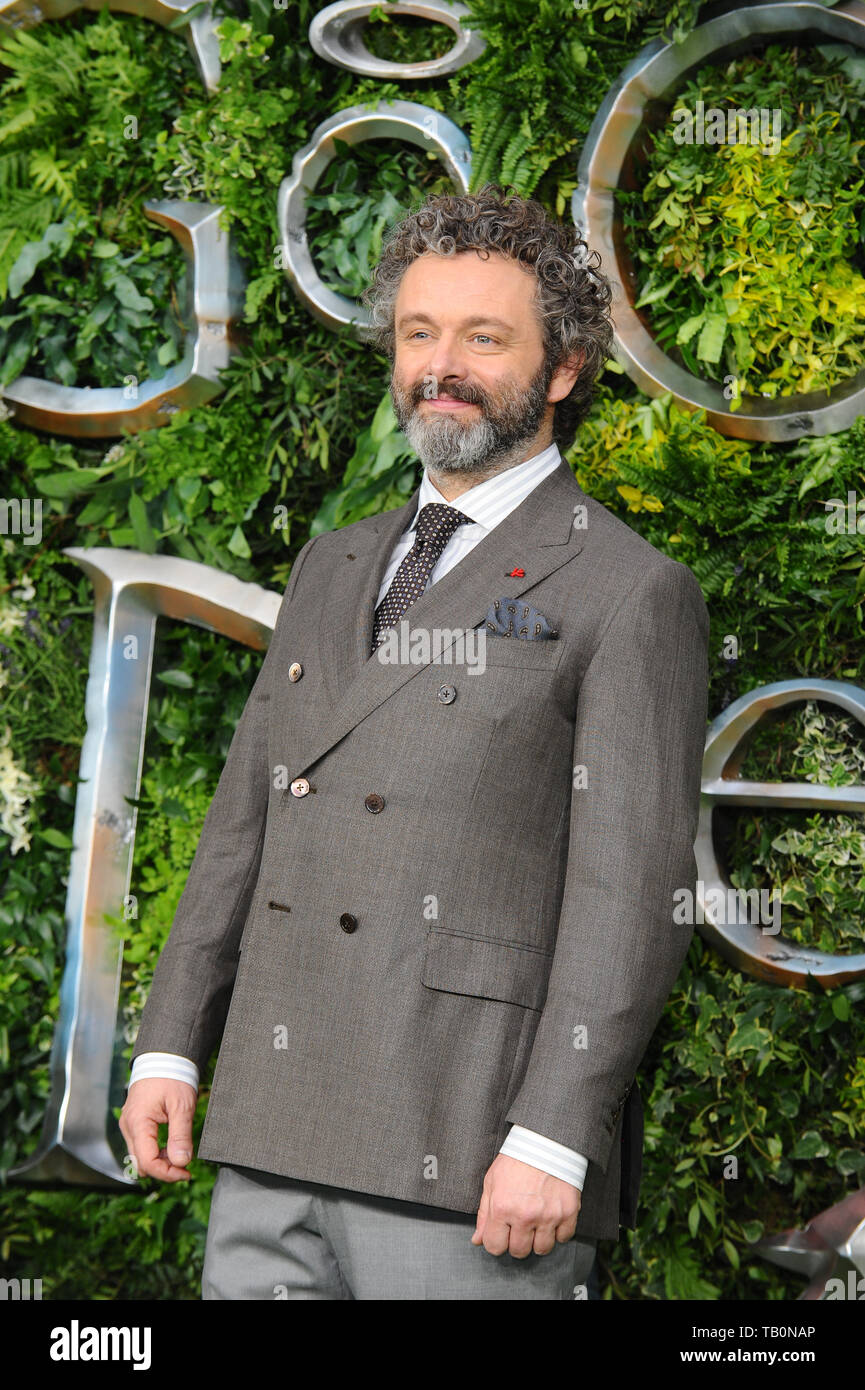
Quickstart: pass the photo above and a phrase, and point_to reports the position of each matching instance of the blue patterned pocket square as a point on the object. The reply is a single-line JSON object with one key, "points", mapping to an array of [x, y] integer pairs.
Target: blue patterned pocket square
{"points": [[511, 617]]}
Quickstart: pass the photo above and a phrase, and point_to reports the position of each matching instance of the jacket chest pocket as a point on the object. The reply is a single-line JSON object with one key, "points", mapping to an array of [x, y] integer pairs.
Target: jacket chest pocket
{"points": [[461, 963], [540, 654]]}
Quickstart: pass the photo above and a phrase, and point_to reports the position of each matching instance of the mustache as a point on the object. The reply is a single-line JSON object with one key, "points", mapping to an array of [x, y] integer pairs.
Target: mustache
{"points": [[453, 393]]}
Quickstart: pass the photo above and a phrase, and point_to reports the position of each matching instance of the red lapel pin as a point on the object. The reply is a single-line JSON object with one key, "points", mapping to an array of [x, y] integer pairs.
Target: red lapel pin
{"points": [[516, 574]]}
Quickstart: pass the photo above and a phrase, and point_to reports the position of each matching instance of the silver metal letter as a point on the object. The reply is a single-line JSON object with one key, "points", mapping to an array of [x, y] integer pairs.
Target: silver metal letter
{"points": [[200, 32], [215, 298], [768, 957], [655, 75], [132, 590], [404, 120], [336, 34]]}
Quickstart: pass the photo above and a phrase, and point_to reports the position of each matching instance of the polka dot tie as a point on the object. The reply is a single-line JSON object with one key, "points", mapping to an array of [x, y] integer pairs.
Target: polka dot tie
{"points": [[435, 525]]}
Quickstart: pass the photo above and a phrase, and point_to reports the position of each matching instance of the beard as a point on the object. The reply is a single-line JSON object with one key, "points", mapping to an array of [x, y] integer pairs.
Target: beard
{"points": [[487, 442]]}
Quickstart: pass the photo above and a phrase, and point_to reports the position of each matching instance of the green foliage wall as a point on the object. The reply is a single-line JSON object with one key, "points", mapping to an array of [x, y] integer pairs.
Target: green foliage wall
{"points": [[91, 290]]}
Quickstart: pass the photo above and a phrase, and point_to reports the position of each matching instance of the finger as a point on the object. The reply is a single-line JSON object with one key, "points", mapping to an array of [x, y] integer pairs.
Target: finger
{"points": [[483, 1210], [150, 1160], [520, 1240], [496, 1236], [129, 1157], [545, 1239], [566, 1229], [140, 1135]]}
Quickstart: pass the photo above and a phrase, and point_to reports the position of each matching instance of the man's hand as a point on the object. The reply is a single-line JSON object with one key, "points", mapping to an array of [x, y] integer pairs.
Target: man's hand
{"points": [[149, 1104], [524, 1210]]}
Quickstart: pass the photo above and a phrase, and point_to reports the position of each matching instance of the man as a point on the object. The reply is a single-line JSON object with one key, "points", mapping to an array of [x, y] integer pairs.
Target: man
{"points": [[431, 911]]}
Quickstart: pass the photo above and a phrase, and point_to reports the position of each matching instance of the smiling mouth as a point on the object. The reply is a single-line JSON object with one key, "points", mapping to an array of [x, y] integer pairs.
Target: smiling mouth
{"points": [[448, 403]]}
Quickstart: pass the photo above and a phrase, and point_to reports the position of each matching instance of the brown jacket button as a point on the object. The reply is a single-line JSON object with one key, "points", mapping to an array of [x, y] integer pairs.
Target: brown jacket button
{"points": [[348, 922], [374, 802]]}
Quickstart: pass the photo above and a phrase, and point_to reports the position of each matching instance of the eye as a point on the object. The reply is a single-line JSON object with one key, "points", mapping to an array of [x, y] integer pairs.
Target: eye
{"points": [[422, 331]]}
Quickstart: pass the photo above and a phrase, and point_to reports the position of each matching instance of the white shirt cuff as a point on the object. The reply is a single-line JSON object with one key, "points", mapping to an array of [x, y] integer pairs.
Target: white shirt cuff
{"points": [[546, 1154], [167, 1065]]}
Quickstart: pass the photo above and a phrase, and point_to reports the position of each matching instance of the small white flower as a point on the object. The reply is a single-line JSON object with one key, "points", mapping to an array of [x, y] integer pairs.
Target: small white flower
{"points": [[10, 618], [16, 788], [25, 593]]}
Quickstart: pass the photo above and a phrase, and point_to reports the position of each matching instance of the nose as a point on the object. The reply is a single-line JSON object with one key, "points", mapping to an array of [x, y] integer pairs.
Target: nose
{"points": [[446, 362]]}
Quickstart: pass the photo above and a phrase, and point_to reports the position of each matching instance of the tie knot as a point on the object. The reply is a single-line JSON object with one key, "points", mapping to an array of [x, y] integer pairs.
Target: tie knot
{"points": [[437, 522]]}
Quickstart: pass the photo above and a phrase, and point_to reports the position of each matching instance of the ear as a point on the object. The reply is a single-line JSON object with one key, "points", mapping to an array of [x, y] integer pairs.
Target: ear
{"points": [[565, 375]]}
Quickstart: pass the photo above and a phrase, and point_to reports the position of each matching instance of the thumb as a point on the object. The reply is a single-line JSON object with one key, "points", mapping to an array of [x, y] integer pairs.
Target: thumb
{"points": [[179, 1146]]}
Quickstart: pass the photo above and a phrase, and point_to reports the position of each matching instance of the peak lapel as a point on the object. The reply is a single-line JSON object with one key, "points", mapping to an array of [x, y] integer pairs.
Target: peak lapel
{"points": [[345, 630], [537, 536]]}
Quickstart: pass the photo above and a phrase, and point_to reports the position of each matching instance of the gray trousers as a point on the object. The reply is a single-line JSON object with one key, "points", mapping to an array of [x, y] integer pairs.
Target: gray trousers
{"points": [[276, 1238]]}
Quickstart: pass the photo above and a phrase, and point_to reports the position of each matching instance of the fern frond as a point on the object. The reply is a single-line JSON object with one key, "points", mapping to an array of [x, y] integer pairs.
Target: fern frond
{"points": [[495, 133], [48, 175]]}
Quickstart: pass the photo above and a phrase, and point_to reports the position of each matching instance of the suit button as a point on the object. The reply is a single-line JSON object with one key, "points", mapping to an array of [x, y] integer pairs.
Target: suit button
{"points": [[374, 802], [348, 922], [295, 671], [299, 786], [447, 694]]}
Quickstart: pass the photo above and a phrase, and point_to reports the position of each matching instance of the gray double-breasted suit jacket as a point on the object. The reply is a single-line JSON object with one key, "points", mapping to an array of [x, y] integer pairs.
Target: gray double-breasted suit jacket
{"points": [[466, 921]]}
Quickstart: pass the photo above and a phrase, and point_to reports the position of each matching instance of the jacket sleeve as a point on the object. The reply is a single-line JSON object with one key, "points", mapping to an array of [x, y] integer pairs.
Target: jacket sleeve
{"points": [[188, 1002], [640, 735]]}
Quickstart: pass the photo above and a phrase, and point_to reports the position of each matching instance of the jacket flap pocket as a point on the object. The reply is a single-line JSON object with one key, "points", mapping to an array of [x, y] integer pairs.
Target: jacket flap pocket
{"points": [[458, 963]]}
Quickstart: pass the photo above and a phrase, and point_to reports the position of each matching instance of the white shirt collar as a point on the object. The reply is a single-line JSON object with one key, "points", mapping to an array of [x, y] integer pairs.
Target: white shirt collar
{"points": [[489, 502]]}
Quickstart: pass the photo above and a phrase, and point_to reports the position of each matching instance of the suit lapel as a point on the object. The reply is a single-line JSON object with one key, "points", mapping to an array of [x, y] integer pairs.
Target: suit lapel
{"points": [[345, 627], [537, 536]]}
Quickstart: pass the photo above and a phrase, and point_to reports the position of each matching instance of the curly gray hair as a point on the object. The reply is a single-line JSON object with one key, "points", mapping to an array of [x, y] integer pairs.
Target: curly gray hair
{"points": [[572, 298]]}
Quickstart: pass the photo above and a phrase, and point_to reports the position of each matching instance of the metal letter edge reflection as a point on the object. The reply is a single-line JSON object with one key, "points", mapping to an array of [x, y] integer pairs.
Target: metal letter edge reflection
{"points": [[131, 591], [741, 942], [214, 303], [654, 76], [200, 31], [336, 34], [401, 120], [831, 1248]]}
